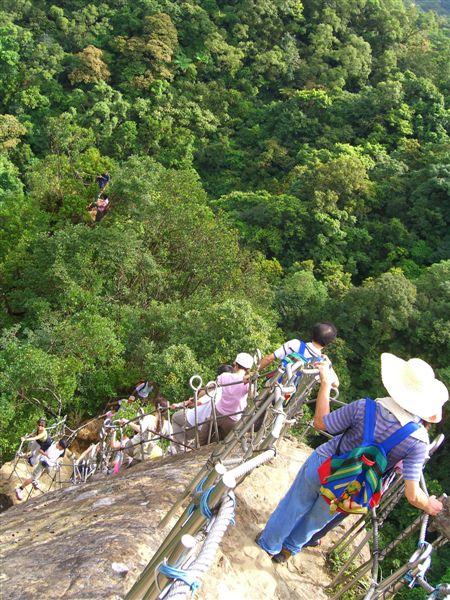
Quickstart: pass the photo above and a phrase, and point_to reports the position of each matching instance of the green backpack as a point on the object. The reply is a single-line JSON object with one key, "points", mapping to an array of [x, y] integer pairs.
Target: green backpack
{"points": [[352, 482]]}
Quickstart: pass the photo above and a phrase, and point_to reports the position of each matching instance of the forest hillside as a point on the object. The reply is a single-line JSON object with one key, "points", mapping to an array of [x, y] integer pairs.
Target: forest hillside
{"points": [[272, 162]]}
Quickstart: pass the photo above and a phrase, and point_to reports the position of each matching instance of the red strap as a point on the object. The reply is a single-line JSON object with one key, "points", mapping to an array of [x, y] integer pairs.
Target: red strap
{"points": [[367, 461]]}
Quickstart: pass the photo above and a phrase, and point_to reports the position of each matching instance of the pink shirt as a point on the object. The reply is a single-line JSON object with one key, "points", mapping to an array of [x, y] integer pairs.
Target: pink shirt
{"points": [[234, 397]]}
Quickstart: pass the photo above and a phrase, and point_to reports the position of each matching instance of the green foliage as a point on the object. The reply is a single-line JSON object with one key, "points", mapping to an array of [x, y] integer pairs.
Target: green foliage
{"points": [[301, 300], [273, 163]]}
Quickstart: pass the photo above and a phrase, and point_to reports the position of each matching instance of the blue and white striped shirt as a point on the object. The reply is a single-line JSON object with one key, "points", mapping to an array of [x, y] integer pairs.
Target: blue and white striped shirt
{"points": [[349, 422]]}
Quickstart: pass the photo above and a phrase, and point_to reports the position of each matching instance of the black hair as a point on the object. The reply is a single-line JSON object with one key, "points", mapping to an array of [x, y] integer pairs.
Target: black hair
{"points": [[324, 333], [224, 369], [161, 403], [42, 420], [63, 444]]}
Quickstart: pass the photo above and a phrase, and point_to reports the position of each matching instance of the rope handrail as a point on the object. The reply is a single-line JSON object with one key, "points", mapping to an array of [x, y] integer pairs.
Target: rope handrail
{"points": [[282, 397], [269, 431]]}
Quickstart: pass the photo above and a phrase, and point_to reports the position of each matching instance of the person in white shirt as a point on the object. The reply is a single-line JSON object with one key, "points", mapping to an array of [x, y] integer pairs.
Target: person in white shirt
{"points": [[47, 460], [147, 429], [323, 333]]}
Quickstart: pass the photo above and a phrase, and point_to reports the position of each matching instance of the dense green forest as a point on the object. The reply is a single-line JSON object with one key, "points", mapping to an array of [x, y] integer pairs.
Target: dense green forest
{"points": [[273, 162]]}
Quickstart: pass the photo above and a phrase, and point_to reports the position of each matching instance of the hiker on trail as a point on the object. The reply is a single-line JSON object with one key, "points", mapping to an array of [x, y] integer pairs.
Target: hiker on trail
{"points": [[47, 460], [102, 204], [183, 421], [98, 208], [41, 441], [147, 430], [233, 400], [394, 422], [103, 180], [323, 333], [163, 425], [141, 391]]}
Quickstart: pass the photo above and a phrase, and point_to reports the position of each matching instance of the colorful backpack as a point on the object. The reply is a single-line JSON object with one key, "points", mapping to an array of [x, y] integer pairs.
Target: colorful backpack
{"points": [[352, 482]]}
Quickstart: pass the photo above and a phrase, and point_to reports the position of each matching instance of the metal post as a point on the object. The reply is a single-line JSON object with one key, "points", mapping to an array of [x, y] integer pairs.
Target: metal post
{"points": [[222, 450], [196, 389]]}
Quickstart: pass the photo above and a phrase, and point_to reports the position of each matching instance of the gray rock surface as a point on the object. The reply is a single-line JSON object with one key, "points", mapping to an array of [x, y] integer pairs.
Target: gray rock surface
{"points": [[93, 540]]}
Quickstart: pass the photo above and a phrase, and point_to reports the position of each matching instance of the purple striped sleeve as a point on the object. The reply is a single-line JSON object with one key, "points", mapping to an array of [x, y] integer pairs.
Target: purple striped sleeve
{"points": [[413, 461], [341, 419]]}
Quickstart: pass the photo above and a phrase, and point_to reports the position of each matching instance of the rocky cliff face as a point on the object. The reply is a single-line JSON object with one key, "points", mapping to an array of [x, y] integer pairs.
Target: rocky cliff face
{"points": [[92, 541]]}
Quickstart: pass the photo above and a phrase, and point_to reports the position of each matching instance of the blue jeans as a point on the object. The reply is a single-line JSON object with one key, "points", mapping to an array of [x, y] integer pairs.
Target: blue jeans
{"points": [[300, 514]]}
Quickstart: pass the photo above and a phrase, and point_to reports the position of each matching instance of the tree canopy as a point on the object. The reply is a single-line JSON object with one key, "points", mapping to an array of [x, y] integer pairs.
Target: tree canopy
{"points": [[273, 162]]}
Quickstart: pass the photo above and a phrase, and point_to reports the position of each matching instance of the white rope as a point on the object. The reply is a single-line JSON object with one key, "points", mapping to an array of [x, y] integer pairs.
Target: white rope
{"points": [[206, 556], [251, 464]]}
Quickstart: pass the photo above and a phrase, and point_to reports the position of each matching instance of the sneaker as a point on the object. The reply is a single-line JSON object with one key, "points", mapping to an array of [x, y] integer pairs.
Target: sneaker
{"points": [[282, 556], [35, 484], [19, 493], [30, 461]]}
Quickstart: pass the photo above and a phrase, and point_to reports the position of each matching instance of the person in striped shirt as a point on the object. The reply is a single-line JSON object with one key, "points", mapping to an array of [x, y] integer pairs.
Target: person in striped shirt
{"points": [[414, 395]]}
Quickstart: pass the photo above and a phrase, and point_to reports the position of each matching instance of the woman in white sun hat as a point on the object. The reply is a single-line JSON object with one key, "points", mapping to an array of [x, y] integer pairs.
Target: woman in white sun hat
{"points": [[414, 395]]}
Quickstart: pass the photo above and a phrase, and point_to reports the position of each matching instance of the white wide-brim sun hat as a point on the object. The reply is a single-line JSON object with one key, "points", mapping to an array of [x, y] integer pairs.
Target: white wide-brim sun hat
{"points": [[413, 386]]}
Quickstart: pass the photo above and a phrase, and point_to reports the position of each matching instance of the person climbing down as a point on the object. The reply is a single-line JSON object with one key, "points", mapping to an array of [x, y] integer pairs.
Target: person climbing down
{"points": [[98, 209], [47, 460], [141, 391], [323, 333], [415, 395], [183, 421], [41, 441], [103, 180], [147, 428], [233, 400], [102, 204]]}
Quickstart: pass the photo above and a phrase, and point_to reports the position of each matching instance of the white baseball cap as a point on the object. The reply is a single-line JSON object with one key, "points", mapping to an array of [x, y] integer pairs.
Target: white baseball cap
{"points": [[244, 360]]}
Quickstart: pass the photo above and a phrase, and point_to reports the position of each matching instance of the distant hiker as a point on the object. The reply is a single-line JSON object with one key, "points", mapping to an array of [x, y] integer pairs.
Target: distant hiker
{"points": [[47, 460], [41, 441], [233, 400], [142, 391], [163, 425], [147, 430], [415, 396], [103, 180], [323, 333], [102, 204], [183, 421]]}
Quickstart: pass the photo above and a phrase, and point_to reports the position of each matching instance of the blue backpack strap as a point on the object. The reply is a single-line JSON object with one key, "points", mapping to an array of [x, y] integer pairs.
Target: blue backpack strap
{"points": [[370, 417], [301, 351], [398, 436]]}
